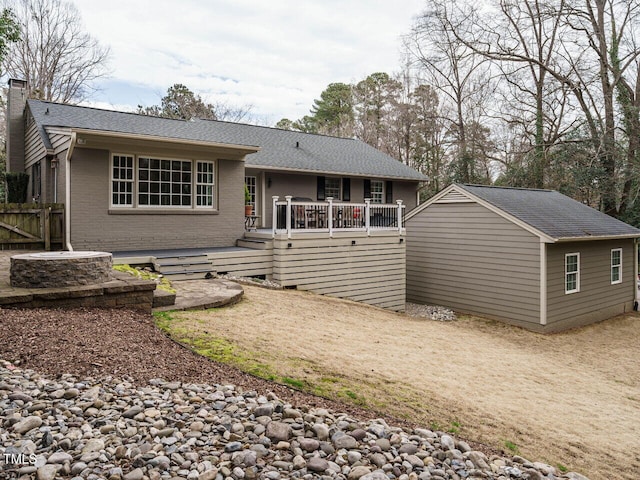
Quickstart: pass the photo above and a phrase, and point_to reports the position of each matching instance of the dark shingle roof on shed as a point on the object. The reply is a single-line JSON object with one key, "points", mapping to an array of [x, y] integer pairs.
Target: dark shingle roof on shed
{"points": [[280, 149], [552, 213]]}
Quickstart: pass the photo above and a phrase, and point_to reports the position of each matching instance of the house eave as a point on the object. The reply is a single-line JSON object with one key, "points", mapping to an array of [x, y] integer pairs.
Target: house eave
{"points": [[86, 136], [330, 172], [596, 237]]}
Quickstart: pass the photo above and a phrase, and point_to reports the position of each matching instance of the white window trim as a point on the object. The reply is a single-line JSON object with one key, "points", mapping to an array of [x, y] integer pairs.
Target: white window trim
{"points": [[214, 200], [111, 180], [194, 184], [619, 266], [382, 191], [576, 273], [339, 196]]}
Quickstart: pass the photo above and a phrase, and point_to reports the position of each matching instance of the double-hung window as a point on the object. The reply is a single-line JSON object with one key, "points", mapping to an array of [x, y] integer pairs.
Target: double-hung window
{"points": [[122, 181], [332, 188], [377, 191], [147, 182], [572, 273], [616, 266]]}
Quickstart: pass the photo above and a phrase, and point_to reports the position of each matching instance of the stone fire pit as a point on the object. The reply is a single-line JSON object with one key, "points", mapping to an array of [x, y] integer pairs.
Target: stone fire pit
{"points": [[60, 269]]}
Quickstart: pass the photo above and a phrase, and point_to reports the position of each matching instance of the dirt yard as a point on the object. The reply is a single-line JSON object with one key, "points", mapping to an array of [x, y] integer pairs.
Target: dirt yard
{"points": [[571, 400]]}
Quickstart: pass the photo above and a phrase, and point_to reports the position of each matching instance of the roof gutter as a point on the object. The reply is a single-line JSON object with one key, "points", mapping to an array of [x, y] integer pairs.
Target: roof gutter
{"points": [[331, 172], [67, 191], [595, 237]]}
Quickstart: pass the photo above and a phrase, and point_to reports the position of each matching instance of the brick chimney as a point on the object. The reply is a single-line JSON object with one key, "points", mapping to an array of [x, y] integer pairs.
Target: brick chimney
{"points": [[16, 102]]}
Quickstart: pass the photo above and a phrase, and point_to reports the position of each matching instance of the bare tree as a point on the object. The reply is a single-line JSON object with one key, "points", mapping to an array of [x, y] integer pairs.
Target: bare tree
{"points": [[57, 59], [456, 72]]}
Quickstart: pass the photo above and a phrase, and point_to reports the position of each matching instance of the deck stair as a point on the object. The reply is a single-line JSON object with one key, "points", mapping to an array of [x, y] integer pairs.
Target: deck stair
{"points": [[255, 243], [184, 266]]}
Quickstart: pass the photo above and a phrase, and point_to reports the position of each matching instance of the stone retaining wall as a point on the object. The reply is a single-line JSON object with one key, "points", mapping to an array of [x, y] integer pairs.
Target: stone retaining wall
{"points": [[123, 292], [59, 269]]}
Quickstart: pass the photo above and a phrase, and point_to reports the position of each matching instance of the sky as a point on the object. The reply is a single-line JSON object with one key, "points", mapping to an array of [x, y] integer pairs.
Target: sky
{"points": [[276, 56]]}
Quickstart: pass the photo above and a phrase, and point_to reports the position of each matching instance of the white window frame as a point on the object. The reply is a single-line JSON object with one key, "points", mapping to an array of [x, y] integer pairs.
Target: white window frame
{"points": [[617, 266], [339, 189], [377, 194], [576, 273], [252, 184], [131, 181], [135, 205], [160, 181], [209, 187]]}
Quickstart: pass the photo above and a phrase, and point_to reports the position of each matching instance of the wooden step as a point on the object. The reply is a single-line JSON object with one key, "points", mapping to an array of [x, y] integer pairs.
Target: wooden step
{"points": [[184, 267], [254, 243]]}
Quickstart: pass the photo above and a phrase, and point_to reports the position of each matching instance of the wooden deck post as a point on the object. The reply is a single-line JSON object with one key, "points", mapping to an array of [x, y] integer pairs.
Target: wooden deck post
{"points": [[330, 216], [399, 202], [274, 214], [288, 220], [367, 215]]}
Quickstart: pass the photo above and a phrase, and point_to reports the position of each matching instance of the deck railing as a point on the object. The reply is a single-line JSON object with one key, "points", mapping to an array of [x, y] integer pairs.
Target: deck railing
{"points": [[331, 216]]}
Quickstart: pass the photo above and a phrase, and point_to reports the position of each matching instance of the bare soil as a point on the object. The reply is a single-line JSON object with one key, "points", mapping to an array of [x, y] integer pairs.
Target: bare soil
{"points": [[570, 399]]}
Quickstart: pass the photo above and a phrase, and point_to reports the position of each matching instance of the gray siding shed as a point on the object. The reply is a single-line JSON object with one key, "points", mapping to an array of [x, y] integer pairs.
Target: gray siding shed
{"points": [[500, 253], [466, 257]]}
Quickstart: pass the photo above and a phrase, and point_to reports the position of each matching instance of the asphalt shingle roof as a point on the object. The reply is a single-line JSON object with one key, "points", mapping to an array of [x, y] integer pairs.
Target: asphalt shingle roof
{"points": [[280, 149], [552, 213]]}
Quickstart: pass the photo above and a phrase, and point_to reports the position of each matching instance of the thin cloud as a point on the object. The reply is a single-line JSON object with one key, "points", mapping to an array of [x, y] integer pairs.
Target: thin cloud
{"points": [[277, 56]]}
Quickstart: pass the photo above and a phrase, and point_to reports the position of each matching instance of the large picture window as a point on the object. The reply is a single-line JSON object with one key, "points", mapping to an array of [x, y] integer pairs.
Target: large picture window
{"points": [[616, 266], [572, 273], [147, 182]]}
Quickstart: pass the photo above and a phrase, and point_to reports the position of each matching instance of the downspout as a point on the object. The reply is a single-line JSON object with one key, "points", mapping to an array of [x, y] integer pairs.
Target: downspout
{"points": [[543, 282], [67, 192]]}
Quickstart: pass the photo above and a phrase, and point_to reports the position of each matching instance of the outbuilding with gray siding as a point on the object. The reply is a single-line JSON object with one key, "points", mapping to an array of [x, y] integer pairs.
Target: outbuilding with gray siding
{"points": [[533, 258]]}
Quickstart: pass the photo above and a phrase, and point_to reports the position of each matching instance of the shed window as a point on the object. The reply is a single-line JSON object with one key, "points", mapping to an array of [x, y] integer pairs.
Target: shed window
{"points": [[616, 266], [572, 273]]}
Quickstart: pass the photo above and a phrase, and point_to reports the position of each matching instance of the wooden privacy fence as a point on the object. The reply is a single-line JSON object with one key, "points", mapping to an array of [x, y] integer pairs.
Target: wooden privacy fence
{"points": [[31, 226]]}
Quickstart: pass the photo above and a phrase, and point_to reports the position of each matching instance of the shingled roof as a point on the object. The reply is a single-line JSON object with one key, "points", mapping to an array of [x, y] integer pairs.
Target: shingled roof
{"points": [[552, 213], [279, 149]]}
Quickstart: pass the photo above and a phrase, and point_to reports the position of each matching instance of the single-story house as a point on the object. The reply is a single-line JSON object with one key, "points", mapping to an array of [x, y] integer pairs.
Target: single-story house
{"points": [[132, 181], [533, 258]]}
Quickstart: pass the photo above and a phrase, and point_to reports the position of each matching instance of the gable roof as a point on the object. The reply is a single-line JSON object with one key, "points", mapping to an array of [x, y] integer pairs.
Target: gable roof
{"points": [[279, 149], [547, 213]]}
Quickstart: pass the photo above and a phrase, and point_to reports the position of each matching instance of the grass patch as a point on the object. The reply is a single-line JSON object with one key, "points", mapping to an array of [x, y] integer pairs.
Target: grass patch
{"points": [[162, 282], [299, 384], [562, 468], [513, 448], [455, 427]]}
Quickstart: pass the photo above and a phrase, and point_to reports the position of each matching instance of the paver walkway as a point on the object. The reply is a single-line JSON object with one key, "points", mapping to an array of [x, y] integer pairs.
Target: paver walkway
{"points": [[190, 294]]}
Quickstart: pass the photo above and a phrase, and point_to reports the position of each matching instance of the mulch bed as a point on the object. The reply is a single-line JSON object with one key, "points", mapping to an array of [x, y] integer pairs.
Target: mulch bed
{"points": [[100, 342]]}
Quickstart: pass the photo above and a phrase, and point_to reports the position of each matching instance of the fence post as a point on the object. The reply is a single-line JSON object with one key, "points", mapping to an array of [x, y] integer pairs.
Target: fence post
{"points": [[46, 234]]}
